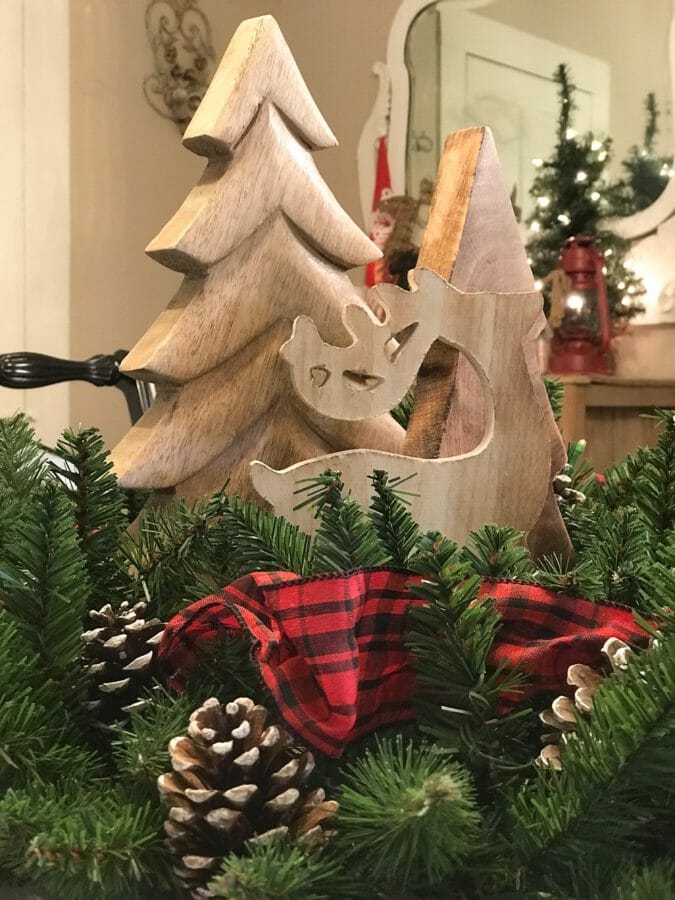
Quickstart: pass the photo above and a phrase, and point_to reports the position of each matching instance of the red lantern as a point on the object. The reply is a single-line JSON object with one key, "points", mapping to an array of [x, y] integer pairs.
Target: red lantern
{"points": [[581, 341]]}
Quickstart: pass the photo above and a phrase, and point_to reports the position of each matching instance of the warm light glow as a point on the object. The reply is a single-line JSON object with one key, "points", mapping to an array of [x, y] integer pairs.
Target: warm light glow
{"points": [[582, 176], [535, 226], [626, 301], [575, 302], [595, 196], [631, 289], [596, 145], [621, 285], [543, 202], [538, 285], [537, 163], [602, 156], [604, 270], [564, 219], [570, 134], [608, 251]]}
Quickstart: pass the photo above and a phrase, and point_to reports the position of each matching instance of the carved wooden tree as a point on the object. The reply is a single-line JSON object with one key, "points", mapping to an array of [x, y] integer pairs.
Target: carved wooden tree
{"points": [[482, 442], [260, 240]]}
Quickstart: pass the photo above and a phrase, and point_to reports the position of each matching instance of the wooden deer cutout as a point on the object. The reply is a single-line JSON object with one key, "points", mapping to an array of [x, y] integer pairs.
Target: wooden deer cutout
{"points": [[260, 240], [476, 347]]}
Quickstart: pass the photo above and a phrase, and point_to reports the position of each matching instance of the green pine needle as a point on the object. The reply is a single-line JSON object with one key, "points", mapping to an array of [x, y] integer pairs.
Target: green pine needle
{"points": [[276, 870], [345, 539], [395, 527], [403, 411], [497, 551], [99, 508], [45, 584], [408, 814], [615, 768], [555, 390], [259, 541]]}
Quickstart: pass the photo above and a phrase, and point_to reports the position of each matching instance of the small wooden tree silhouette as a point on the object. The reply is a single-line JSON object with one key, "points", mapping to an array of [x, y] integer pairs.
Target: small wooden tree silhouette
{"points": [[260, 240]]}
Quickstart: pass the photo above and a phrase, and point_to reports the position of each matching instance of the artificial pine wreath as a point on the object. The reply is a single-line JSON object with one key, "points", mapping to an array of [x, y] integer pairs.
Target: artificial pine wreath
{"points": [[447, 801]]}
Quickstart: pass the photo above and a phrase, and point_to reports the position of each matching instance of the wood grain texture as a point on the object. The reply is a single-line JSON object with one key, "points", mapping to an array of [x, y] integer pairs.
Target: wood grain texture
{"points": [[260, 240], [474, 234], [215, 315], [505, 479], [271, 171], [435, 384], [257, 65]]}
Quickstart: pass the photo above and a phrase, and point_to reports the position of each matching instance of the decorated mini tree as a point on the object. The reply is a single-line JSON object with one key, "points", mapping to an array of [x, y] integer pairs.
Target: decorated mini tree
{"points": [[260, 240], [572, 198], [645, 172]]}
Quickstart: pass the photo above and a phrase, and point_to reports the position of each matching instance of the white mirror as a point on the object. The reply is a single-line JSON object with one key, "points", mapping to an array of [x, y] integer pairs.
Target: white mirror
{"points": [[456, 63]]}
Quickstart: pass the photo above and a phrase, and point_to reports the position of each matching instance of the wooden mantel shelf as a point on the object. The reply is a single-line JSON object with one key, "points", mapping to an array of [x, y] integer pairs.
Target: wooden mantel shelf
{"points": [[609, 412]]}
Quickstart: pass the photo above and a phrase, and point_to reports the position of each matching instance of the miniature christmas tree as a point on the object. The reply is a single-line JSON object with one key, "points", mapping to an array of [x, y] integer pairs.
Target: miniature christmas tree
{"points": [[571, 196], [260, 240], [646, 172]]}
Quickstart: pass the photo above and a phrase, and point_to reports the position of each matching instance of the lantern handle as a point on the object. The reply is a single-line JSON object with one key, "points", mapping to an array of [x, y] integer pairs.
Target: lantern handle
{"points": [[603, 306]]}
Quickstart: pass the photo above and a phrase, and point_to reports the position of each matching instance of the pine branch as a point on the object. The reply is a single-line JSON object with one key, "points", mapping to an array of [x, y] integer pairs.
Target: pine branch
{"points": [[555, 391], [403, 411], [408, 815], [276, 869], [45, 585], [22, 469], [614, 770], [653, 882], [259, 541], [345, 538], [141, 749], [395, 527], [178, 554], [83, 843], [497, 551], [22, 464], [99, 509], [450, 638]]}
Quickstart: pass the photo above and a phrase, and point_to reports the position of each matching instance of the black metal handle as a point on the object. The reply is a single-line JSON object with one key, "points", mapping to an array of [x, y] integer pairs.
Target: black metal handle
{"points": [[33, 370]]}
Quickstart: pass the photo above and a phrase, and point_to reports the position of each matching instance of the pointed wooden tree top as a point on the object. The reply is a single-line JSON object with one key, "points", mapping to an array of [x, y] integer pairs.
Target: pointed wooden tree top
{"points": [[271, 171], [257, 65]]}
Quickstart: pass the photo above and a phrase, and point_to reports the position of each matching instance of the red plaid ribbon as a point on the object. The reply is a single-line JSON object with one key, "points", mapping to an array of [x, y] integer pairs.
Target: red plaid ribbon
{"points": [[330, 648]]}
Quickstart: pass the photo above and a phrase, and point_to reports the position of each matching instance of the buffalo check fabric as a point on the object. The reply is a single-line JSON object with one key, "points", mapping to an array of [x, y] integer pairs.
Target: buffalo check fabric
{"points": [[331, 649]]}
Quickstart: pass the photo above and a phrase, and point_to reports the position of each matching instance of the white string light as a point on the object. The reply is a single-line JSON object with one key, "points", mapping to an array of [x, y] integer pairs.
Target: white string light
{"points": [[537, 163], [538, 285], [535, 226], [596, 145], [564, 219], [582, 176], [602, 156], [575, 302], [570, 134], [543, 202], [595, 196]]}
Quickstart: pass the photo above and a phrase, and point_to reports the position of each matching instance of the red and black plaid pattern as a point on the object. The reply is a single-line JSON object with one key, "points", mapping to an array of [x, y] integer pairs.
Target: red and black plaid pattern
{"points": [[330, 648]]}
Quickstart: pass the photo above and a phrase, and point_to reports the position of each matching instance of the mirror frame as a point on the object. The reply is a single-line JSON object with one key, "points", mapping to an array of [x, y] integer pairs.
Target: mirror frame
{"points": [[389, 117]]}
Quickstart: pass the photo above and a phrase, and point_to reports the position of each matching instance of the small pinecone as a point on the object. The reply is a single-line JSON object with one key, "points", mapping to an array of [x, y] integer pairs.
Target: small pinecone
{"points": [[235, 779], [564, 712], [120, 653]]}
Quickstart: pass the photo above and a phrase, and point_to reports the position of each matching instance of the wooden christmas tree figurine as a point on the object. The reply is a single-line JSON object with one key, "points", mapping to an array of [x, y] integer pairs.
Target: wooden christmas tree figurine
{"points": [[482, 445], [260, 240]]}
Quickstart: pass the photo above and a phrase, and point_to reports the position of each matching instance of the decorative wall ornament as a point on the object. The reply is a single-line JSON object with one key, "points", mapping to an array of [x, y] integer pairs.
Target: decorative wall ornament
{"points": [[180, 37]]}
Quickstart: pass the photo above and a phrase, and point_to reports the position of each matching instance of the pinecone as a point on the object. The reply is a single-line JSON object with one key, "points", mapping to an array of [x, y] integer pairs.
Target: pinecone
{"points": [[564, 712], [235, 779], [120, 653]]}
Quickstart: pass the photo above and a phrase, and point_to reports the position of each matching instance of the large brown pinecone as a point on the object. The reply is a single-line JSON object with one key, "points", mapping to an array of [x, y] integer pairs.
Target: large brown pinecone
{"points": [[120, 653], [235, 779]]}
